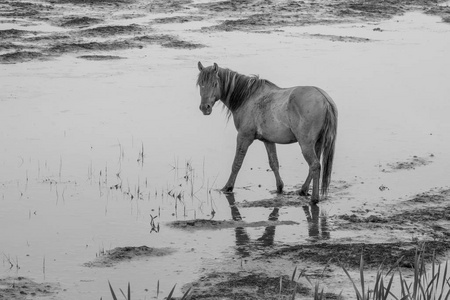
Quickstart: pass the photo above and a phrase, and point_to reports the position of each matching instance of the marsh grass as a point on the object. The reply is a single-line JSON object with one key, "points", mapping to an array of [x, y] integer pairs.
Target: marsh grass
{"points": [[425, 285], [433, 285], [186, 295]]}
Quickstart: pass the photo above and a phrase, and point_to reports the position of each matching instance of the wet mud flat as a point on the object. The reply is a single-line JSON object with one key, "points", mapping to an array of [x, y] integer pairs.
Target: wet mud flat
{"points": [[92, 25]]}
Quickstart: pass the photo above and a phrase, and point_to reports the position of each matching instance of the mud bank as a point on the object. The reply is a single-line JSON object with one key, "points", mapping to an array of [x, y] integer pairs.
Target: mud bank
{"points": [[21, 288], [125, 254]]}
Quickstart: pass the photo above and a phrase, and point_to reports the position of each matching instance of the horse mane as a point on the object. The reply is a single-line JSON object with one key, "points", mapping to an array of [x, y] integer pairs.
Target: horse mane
{"points": [[236, 88]]}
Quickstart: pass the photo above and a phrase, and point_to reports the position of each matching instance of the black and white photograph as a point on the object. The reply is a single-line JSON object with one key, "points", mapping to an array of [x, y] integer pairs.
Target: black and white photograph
{"points": [[225, 149]]}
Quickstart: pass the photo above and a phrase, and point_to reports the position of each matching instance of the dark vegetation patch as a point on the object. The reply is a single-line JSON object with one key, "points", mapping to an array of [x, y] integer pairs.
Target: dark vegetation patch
{"points": [[120, 254], [168, 41], [409, 164], [46, 39], [9, 46], [19, 9], [353, 218], [74, 21], [22, 288], [129, 15], [442, 11], [202, 223], [253, 22], [93, 46], [426, 215], [375, 255], [278, 201], [168, 6], [21, 56], [180, 44], [432, 197], [178, 19], [423, 209], [371, 9], [154, 38], [245, 286], [429, 214], [95, 2], [198, 224], [339, 38], [14, 33], [101, 57], [106, 31]]}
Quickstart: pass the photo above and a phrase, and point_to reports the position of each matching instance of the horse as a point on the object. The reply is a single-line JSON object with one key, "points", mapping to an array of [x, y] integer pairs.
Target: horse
{"points": [[263, 111]]}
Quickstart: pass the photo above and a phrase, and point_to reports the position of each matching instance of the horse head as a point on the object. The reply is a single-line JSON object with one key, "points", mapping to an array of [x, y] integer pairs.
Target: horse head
{"points": [[208, 81]]}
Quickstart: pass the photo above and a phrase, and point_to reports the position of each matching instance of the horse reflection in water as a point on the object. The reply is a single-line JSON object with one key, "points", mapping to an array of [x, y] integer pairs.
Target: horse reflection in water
{"points": [[317, 227]]}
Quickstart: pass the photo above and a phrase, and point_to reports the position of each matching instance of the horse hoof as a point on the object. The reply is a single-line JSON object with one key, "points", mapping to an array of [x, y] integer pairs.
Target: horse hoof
{"points": [[227, 190], [303, 193]]}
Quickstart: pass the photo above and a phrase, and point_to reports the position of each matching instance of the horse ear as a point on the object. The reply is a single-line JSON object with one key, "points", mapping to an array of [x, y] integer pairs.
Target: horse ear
{"points": [[216, 68], [200, 66]]}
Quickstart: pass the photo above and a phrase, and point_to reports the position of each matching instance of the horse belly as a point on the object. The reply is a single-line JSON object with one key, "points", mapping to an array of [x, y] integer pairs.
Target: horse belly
{"points": [[275, 130]]}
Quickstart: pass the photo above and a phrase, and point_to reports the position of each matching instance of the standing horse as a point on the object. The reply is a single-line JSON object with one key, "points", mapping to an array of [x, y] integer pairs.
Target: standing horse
{"points": [[261, 110]]}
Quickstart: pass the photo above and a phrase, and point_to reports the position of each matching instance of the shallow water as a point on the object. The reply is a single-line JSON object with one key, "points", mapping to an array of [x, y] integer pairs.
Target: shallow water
{"points": [[73, 129]]}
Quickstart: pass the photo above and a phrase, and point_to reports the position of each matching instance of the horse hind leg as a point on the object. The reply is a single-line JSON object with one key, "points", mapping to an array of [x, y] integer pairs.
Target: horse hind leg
{"points": [[311, 158], [304, 191], [274, 165]]}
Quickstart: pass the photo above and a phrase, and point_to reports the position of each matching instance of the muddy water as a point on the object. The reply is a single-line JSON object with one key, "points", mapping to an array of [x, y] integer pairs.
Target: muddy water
{"points": [[91, 149]]}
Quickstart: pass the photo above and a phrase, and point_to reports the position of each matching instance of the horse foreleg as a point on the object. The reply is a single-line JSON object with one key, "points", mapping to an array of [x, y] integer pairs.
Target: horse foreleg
{"points": [[241, 149], [273, 162]]}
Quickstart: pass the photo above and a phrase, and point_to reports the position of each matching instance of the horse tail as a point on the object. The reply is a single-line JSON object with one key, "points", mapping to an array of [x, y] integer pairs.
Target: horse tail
{"points": [[328, 137]]}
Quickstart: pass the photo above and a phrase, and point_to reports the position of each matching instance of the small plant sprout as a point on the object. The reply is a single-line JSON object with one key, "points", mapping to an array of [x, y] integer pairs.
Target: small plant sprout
{"points": [[43, 266], [154, 227], [141, 155]]}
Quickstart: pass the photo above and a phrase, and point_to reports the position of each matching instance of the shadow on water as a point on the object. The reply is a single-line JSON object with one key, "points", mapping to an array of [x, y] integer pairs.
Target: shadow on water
{"points": [[317, 227]]}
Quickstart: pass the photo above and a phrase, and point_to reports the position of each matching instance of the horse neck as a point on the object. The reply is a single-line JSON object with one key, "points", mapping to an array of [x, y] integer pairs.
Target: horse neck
{"points": [[228, 79], [231, 88]]}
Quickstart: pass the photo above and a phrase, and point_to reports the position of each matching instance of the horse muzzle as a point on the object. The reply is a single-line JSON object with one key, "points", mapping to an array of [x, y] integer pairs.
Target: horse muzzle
{"points": [[206, 109]]}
